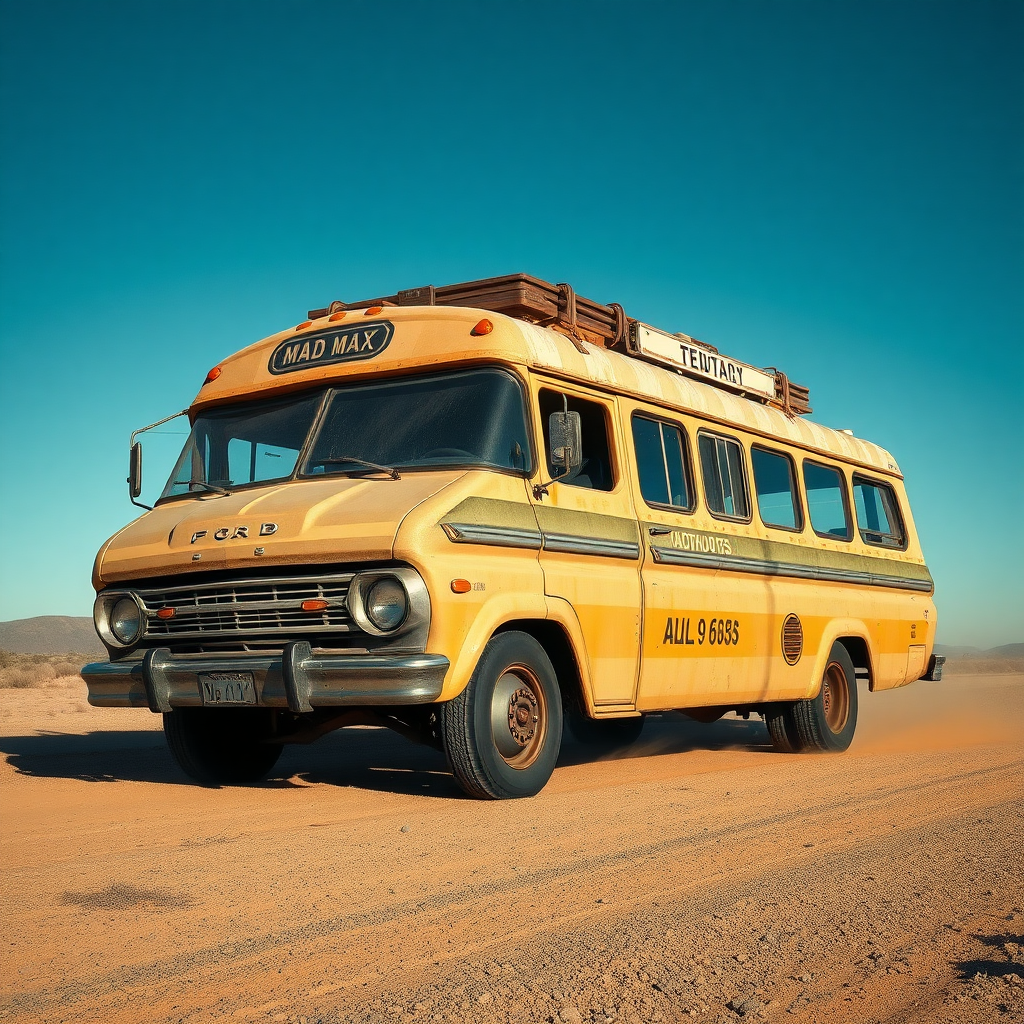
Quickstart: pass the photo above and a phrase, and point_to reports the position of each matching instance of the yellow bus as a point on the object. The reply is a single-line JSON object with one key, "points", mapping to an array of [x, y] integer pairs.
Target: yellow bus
{"points": [[476, 513]]}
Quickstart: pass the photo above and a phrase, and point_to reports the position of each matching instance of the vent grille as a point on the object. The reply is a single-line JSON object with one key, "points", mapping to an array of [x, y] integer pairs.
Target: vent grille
{"points": [[257, 609], [792, 639]]}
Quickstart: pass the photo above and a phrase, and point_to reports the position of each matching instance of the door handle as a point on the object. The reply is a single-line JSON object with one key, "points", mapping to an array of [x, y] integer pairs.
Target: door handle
{"points": [[657, 531]]}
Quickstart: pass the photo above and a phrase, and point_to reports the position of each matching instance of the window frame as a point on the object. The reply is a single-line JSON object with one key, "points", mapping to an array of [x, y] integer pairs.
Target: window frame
{"points": [[801, 516], [688, 475], [896, 509], [848, 539], [605, 403], [724, 516]]}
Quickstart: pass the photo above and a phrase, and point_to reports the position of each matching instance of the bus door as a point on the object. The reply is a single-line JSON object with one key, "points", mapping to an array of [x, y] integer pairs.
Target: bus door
{"points": [[591, 545], [703, 624]]}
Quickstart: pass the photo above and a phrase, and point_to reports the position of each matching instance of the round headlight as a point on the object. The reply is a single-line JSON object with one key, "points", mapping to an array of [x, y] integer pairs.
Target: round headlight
{"points": [[386, 604], [126, 620]]}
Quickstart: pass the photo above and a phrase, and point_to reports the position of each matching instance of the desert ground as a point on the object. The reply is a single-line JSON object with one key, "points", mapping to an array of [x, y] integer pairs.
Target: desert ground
{"points": [[695, 876]]}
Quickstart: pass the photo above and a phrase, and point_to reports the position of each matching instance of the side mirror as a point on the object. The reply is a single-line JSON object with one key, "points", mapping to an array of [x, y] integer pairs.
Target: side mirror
{"points": [[135, 470], [566, 433]]}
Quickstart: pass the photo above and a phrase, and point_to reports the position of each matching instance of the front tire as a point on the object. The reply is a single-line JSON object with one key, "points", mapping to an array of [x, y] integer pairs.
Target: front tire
{"points": [[502, 734], [225, 746], [826, 722]]}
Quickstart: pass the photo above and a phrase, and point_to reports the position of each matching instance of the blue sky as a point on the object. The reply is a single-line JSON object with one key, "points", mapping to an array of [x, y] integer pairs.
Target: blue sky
{"points": [[833, 188]]}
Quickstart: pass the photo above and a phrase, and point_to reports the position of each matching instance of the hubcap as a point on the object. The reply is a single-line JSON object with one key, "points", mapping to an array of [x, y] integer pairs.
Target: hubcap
{"points": [[518, 716], [835, 697]]}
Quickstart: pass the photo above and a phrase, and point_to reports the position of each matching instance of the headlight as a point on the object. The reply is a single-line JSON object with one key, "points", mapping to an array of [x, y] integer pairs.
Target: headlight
{"points": [[386, 604], [126, 621]]}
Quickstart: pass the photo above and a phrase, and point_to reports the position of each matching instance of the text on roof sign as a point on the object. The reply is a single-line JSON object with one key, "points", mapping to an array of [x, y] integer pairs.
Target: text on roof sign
{"points": [[322, 348]]}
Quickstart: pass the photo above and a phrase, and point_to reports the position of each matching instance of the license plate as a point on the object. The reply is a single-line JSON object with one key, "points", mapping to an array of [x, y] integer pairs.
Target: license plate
{"points": [[227, 688]]}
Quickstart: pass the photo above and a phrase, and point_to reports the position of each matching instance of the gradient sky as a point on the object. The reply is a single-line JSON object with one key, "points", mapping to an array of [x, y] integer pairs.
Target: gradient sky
{"points": [[833, 188]]}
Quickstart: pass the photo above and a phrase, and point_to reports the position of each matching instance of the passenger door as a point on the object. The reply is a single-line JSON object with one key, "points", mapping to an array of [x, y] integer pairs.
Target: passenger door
{"points": [[704, 625], [591, 546]]}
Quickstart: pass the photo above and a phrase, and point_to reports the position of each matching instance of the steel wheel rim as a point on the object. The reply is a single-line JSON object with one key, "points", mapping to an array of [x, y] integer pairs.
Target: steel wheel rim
{"points": [[835, 697], [519, 716]]}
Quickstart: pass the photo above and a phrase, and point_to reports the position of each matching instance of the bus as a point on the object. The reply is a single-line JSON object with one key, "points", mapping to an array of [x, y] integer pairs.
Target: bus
{"points": [[481, 513]]}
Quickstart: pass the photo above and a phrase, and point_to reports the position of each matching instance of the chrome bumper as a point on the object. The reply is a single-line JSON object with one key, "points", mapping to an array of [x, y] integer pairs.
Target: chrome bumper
{"points": [[296, 679]]}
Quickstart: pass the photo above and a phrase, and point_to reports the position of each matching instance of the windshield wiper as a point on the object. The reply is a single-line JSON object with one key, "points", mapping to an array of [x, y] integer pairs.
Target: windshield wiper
{"points": [[210, 487], [341, 459]]}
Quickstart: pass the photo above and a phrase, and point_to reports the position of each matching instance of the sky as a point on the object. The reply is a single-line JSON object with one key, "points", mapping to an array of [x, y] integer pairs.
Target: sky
{"points": [[836, 189]]}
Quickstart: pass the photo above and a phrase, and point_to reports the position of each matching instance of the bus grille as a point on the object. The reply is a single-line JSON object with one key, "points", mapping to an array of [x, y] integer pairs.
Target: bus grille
{"points": [[257, 609]]}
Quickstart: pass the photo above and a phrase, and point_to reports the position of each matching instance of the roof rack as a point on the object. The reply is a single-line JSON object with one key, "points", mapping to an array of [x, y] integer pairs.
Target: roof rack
{"points": [[583, 320]]}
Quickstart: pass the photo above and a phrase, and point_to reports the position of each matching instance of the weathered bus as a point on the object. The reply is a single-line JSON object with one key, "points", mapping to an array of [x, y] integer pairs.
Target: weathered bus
{"points": [[474, 512]]}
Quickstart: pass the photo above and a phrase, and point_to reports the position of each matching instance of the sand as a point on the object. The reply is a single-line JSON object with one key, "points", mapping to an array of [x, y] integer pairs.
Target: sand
{"points": [[696, 876]]}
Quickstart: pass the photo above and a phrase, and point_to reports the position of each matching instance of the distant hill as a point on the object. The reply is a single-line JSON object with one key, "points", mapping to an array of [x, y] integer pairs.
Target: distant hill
{"points": [[1006, 651], [50, 634]]}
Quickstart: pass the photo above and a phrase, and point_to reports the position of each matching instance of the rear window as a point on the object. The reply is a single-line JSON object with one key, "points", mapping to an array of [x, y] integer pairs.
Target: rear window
{"points": [[725, 485], [878, 515], [826, 501]]}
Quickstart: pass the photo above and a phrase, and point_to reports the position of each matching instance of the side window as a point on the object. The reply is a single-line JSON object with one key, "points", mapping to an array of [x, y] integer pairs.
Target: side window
{"points": [[662, 463], [596, 471], [775, 486], [826, 501], [878, 514], [721, 464]]}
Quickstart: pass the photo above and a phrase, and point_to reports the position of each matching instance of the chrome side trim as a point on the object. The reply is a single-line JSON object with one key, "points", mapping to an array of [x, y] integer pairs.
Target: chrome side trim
{"points": [[575, 545], [162, 681], [763, 567], [498, 536]]}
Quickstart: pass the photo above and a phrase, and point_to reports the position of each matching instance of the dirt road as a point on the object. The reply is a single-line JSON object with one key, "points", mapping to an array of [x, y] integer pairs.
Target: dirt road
{"points": [[696, 876]]}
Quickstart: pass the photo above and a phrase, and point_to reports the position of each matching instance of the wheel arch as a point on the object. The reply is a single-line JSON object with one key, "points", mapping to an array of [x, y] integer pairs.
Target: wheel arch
{"points": [[856, 638], [558, 646]]}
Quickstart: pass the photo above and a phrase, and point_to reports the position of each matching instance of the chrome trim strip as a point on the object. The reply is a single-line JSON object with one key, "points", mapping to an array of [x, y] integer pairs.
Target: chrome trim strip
{"points": [[763, 567], [499, 536], [163, 680], [242, 581], [574, 545]]}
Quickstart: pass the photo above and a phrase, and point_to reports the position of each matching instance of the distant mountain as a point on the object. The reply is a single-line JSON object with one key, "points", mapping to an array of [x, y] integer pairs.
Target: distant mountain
{"points": [[1006, 651], [50, 634]]}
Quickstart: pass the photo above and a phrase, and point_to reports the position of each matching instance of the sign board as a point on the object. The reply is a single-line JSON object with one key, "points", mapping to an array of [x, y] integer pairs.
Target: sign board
{"points": [[680, 352], [322, 348]]}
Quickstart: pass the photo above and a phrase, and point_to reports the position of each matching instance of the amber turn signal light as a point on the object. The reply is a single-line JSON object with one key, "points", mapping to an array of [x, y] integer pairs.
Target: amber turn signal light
{"points": [[212, 375], [484, 327], [317, 605], [372, 311], [337, 316], [303, 325], [165, 613], [461, 586]]}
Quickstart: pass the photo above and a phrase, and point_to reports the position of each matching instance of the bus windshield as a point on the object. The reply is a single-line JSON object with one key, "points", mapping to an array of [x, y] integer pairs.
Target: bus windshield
{"points": [[470, 418]]}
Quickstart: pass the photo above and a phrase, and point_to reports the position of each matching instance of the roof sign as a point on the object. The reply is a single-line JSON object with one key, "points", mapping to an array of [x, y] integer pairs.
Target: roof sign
{"points": [[680, 352]]}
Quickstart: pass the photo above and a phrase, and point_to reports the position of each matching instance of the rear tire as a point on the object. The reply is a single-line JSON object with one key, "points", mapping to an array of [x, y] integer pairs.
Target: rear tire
{"points": [[501, 735], [223, 746], [824, 723]]}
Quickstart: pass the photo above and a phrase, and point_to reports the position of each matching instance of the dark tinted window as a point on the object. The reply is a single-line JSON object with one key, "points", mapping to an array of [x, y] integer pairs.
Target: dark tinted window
{"points": [[661, 463], [775, 488], [721, 465], [472, 418], [878, 514], [596, 470], [826, 501]]}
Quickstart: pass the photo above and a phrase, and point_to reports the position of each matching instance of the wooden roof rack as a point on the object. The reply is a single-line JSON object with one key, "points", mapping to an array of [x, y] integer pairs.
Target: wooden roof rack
{"points": [[558, 306]]}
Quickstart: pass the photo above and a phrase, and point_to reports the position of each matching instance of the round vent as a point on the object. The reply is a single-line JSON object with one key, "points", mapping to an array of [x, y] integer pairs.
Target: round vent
{"points": [[792, 639]]}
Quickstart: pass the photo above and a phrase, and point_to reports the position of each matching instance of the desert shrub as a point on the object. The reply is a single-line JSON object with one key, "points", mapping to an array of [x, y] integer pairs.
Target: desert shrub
{"points": [[67, 668], [22, 671]]}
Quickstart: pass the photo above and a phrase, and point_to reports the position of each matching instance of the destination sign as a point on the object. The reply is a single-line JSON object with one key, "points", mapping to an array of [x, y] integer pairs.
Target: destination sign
{"points": [[680, 352], [322, 348]]}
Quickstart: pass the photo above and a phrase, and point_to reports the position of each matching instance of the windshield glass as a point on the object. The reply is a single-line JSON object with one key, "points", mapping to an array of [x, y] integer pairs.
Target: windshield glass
{"points": [[475, 418], [237, 445], [472, 418]]}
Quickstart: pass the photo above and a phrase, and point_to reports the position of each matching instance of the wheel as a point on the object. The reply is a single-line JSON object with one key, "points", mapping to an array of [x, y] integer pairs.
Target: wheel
{"points": [[605, 734], [501, 735], [822, 723], [223, 746]]}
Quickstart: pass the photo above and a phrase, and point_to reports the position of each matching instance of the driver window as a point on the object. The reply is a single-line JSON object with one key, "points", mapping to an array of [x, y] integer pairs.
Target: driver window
{"points": [[596, 469]]}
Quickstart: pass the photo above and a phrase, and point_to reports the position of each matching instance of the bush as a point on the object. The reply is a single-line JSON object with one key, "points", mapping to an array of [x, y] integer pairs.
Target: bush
{"points": [[23, 671]]}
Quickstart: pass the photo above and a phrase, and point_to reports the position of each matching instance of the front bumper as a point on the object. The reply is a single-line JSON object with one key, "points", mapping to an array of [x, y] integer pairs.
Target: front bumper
{"points": [[296, 679]]}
